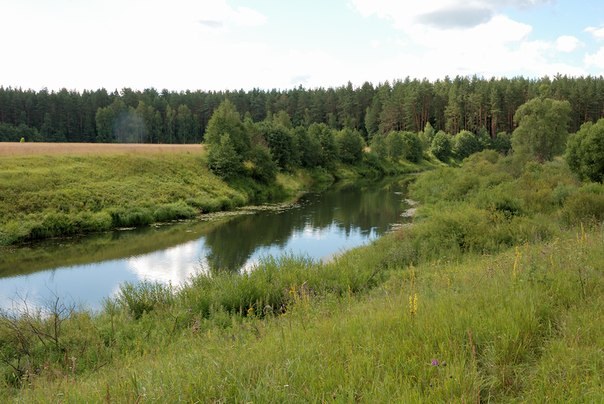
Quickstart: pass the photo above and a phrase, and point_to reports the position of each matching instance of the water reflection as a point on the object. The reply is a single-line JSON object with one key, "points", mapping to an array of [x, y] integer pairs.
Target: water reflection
{"points": [[87, 270]]}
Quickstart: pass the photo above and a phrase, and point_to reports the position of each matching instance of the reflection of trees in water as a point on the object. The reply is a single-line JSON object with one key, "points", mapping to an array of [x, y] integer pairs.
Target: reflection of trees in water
{"points": [[352, 208]]}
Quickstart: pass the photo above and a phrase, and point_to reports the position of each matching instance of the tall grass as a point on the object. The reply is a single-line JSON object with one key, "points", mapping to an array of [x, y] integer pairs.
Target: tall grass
{"points": [[48, 196], [489, 296], [479, 333]]}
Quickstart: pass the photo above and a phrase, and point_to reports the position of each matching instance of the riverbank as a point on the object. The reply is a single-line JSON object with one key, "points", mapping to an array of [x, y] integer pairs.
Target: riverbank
{"points": [[44, 196], [495, 293]]}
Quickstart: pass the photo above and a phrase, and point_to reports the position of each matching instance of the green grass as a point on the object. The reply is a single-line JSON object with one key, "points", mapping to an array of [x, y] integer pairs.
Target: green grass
{"points": [[496, 293], [518, 325], [48, 196], [45, 196]]}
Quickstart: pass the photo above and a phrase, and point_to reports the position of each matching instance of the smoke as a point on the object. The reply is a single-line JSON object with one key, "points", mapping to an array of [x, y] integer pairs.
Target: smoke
{"points": [[129, 127]]}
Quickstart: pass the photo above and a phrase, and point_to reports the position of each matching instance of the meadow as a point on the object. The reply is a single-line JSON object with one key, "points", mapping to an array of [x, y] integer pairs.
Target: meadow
{"points": [[50, 190], [495, 293]]}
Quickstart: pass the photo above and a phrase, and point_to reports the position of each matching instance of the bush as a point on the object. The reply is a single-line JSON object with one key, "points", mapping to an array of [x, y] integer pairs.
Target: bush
{"points": [[413, 149], [585, 151], [223, 159], [174, 211], [586, 205], [130, 217], [502, 143], [350, 146], [465, 144], [263, 168], [144, 297], [441, 146]]}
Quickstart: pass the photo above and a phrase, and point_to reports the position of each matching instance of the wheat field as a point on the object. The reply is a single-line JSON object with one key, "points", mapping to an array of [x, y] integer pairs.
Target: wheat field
{"points": [[22, 149]]}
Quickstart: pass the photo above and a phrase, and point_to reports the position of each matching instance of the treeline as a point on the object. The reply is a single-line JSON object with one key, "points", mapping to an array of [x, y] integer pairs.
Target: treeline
{"points": [[450, 105]]}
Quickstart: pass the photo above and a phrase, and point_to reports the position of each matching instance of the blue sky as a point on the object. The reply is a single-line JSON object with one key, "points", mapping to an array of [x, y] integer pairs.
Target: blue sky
{"points": [[234, 44]]}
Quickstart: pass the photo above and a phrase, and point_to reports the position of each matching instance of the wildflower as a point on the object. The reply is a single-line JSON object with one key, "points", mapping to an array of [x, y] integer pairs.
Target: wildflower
{"points": [[413, 304], [517, 256], [435, 362]]}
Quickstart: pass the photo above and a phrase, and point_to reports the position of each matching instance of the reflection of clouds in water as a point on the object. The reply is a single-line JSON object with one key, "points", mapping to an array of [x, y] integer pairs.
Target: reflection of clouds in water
{"points": [[323, 244], [174, 265], [13, 304], [310, 232]]}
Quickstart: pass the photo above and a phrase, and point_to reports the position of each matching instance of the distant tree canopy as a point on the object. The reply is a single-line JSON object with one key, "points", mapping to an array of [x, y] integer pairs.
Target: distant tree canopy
{"points": [[150, 116]]}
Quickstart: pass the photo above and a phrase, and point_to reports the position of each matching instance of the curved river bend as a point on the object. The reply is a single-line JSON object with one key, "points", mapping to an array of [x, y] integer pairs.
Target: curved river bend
{"points": [[87, 270]]}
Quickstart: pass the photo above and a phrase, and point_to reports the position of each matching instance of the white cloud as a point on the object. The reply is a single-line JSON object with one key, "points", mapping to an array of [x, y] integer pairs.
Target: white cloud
{"points": [[182, 44], [567, 43], [443, 14], [598, 33], [595, 59], [485, 42], [174, 265]]}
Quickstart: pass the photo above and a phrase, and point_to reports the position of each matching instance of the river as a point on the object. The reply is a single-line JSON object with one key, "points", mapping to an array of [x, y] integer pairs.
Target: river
{"points": [[86, 270]]}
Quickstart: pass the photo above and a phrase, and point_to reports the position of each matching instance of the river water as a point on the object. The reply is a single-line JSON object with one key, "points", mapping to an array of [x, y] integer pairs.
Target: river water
{"points": [[86, 270]]}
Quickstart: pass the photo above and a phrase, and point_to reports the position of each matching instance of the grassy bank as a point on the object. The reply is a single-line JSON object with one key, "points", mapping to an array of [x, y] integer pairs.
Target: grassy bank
{"points": [[494, 294], [45, 196], [70, 193], [507, 327]]}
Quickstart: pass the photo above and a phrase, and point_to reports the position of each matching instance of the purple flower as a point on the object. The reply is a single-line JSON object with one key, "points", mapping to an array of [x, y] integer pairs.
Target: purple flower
{"points": [[435, 362]]}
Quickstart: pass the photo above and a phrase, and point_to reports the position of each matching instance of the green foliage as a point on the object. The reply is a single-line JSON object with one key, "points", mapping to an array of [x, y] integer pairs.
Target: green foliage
{"points": [[328, 149], [542, 128], [14, 133], [310, 147], [585, 151], [379, 147], [502, 143], [441, 146], [144, 297], [486, 244], [395, 145], [453, 104], [466, 143], [585, 206], [226, 120], [112, 191], [350, 146], [427, 135], [413, 149], [223, 159], [282, 144], [263, 167]]}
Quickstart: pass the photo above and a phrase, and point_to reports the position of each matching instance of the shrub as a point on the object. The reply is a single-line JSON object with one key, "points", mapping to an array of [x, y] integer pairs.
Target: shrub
{"points": [[350, 146], [585, 151], [441, 146], [542, 128], [465, 144], [144, 297], [128, 217], [413, 149], [586, 205], [174, 211], [223, 159]]}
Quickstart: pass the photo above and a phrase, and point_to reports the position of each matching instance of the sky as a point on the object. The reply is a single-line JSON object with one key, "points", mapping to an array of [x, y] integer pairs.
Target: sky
{"points": [[244, 44]]}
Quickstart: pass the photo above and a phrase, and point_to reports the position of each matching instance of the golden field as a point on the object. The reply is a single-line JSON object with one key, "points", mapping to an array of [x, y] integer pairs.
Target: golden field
{"points": [[21, 149]]}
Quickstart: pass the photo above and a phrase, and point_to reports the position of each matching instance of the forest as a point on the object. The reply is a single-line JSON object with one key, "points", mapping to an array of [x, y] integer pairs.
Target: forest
{"points": [[478, 105]]}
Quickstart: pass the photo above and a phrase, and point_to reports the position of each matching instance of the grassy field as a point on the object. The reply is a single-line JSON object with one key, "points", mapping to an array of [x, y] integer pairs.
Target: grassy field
{"points": [[496, 293], [29, 149], [67, 189], [62, 189]]}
